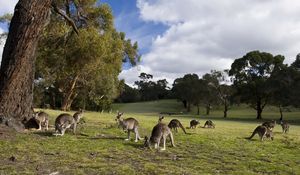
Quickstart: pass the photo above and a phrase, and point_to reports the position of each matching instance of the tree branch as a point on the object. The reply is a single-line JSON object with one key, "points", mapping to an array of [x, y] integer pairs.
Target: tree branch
{"points": [[62, 13]]}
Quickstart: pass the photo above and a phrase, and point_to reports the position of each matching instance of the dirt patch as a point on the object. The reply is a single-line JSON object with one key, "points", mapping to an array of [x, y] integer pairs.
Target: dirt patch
{"points": [[7, 133]]}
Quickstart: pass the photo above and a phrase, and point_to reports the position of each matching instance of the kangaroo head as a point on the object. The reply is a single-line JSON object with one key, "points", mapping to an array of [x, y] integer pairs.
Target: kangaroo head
{"points": [[160, 118], [119, 116], [77, 117]]}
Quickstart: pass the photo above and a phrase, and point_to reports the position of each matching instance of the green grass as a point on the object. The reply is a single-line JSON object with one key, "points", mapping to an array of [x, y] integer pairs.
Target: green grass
{"points": [[99, 146]]}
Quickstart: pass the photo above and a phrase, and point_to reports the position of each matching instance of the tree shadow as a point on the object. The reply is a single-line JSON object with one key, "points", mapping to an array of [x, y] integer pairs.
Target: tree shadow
{"points": [[44, 133], [135, 145]]}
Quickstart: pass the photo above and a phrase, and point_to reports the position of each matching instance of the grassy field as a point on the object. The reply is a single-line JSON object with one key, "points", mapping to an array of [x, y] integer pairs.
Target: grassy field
{"points": [[99, 146]]}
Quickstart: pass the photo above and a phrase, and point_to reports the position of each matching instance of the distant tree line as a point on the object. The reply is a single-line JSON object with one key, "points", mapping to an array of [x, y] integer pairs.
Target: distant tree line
{"points": [[258, 79]]}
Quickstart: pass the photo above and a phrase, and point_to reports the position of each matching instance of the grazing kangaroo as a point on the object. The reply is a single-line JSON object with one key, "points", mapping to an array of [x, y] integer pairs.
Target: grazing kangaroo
{"points": [[269, 124], [159, 132], [65, 121], [42, 119], [129, 124], [263, 132], [174, 124], [194, 123], [285, 126], [209, 124]]}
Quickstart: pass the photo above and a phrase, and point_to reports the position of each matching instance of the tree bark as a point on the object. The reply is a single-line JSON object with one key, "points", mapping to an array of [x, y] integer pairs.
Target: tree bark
{"points": [[258, 110], [281, 113], [70, 95], [198, 109], [17, 67]]}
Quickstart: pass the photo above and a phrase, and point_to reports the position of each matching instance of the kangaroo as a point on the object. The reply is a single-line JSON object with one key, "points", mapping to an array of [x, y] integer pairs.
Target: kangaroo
{"points": [[269, 124], [160, 118], [193, 124], [285, 126], [159, 132], [263, 132], [129, 124], [42, 119], [174, 124], [209, 124], [65, 121]]}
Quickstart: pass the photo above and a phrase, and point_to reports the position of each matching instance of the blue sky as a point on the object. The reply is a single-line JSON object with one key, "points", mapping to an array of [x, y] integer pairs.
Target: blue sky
{"points": [[127, 19], [177, 37]]}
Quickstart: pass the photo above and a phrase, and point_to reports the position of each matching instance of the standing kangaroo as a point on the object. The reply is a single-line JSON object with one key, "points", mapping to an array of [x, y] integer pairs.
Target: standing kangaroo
{"points": [[209, 124], [194, 123], [159, 132], [263, 132], [270, 124], [65, 121], [160, 118], [42, 119], [129, 124], [174, 124], [285, 126]]}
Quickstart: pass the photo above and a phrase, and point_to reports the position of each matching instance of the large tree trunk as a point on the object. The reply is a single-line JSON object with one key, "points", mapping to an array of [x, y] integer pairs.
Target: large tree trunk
{"points": [[17, 67], [70, 95]]}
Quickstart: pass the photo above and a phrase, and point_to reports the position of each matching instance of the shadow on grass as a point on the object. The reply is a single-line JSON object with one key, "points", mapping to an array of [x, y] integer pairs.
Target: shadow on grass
{"points": [[109, 137], [45, 134], [138, 145]]}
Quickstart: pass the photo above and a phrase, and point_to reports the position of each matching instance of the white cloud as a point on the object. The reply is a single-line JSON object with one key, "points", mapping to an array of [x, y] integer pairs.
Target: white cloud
{"points": [[205, 35], [7, 6]]}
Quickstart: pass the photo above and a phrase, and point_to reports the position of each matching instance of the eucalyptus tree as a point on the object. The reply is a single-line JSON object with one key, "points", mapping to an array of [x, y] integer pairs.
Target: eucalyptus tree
{"points": [[250, 77], [88, 63], [17, 66], [185, 89], [220, 91]]}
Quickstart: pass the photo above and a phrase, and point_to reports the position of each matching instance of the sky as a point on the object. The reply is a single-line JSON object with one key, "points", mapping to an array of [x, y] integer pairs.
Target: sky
{"points": [[195, 36]]}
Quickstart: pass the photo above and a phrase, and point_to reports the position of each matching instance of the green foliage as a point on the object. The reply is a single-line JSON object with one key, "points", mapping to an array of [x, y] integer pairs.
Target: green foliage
{"points": [[129, 95], [250, 74], [84, 68], [187, 89], [150, 90]]}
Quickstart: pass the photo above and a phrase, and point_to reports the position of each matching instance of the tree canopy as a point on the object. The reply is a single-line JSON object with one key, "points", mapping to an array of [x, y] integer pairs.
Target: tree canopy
{"points": [[250, 78]]}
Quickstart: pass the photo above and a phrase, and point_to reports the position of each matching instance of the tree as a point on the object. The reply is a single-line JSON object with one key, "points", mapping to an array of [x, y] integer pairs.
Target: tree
{"points": [[185, 89], [200, 90], [250, 78], [89, 63], [129, 95], [280, 85], [220, 91], [17, 67]]}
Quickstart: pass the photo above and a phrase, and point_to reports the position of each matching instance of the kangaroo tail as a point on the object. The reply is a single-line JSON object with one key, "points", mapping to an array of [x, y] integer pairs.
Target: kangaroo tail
{"points": [[253, 134], [182, 128]]}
